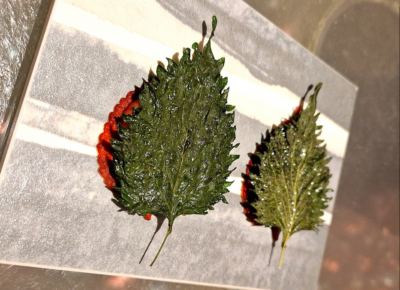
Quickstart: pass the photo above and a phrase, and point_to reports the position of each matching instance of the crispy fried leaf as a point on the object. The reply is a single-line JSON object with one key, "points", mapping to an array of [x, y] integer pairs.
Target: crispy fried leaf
{"points": [[291, 186], [174, 159]]}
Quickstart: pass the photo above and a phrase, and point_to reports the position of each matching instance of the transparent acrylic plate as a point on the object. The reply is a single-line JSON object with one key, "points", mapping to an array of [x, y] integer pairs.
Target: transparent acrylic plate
{"points": [[55, 211]]}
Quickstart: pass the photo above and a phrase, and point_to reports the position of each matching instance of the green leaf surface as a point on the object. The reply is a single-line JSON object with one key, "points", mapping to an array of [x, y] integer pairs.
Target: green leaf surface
{"points": [[175, 157], [293, 176]]}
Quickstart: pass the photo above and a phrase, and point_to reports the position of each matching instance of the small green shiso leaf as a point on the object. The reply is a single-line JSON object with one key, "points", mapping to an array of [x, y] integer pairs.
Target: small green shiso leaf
{"points": [[175, 157], [293, 176]]}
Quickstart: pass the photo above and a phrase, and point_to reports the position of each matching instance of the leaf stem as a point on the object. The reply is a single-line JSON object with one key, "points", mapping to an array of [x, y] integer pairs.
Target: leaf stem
{"points": [[283, 250], [162, 245]]}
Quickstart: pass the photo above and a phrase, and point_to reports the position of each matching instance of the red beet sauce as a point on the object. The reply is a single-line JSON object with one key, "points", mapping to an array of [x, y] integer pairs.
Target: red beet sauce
{"points": [[104, 149]]}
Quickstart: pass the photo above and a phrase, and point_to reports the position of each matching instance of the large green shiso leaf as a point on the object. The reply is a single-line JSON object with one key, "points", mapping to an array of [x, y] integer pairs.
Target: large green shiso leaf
{"points": [[175, 157], [293, 176]]}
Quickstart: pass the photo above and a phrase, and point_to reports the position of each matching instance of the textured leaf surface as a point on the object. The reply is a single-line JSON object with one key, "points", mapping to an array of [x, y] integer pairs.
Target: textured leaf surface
{"points": [[292, 175], [175, 156]]}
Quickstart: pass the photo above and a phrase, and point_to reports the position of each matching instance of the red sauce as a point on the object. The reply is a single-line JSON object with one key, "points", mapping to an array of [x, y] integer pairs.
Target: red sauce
{"points": [[104, 149]]}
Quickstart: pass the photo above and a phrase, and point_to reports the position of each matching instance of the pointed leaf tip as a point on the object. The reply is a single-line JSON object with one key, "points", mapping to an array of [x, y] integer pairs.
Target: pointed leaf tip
{"points": [[214, 22], [318, 87], [195, 46], [224, 83], [230, 108]]}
